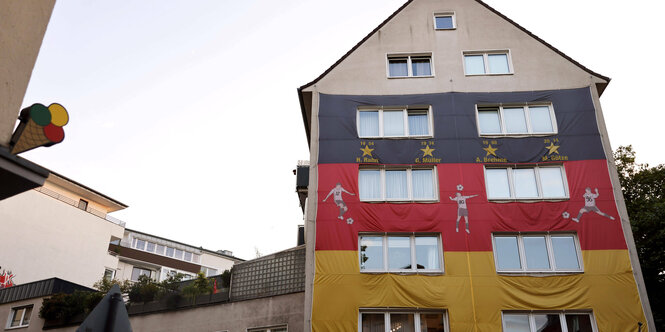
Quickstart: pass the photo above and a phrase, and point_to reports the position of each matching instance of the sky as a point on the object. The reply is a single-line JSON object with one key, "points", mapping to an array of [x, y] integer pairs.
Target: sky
{"points": [[187, 111]]}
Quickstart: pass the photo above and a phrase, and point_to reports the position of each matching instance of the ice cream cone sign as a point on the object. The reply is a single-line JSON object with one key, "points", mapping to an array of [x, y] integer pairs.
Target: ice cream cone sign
{"points": [[39, 126]]}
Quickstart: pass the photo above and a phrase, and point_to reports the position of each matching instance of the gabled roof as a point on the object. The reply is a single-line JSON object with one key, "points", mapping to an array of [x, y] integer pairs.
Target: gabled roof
{"points": [[601, 87]]}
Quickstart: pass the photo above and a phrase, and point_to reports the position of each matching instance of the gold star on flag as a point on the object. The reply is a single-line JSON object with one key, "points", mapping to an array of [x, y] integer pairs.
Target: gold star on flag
{"points": [[552, 148], [367, 151], [490, 150], [427, 151]]}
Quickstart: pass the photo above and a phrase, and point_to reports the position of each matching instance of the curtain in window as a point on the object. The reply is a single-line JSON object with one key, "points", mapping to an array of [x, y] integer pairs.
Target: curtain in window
{"points": [[421, 67], [516, 322], [565, 253], [423, 184], [402, 322], [535, 251], [489, 122], [498, 63], [551, 181], [369, 184], [427, 253], [396, 184], [497, 183], [397, 67], [393, 123], [369, 123], [525, 183], [515, 120], [373, 323], [399, 253], [541, 122], [474, 64], [418, 124]]}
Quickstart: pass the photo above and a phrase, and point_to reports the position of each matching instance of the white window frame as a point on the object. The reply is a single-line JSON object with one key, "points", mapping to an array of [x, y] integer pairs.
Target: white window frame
{"points": [[268, 329], [409, 182], [550, 253], [442, 14], [22, 323], [412, 245], [405, 110], [562, 318], [113, 271], [416, 321], [486, 62], [153, 273], [409, 67], [527, 118], [511, 183]]}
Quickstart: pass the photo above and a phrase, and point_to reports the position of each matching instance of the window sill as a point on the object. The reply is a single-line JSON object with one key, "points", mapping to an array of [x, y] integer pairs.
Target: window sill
{"points": [[400, 77], [445, 29], [17, 327], [428, 273], [500, 74], [516, 135], [401, 201], [537, 273], [397, 137], [526, 200]]}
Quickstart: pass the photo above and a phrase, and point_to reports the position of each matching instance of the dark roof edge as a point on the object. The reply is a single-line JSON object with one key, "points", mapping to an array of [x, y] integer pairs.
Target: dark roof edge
{"points": [[89, 189], [25, 163], [478, 1], [355, 47], [544, 42], [185, 244]]}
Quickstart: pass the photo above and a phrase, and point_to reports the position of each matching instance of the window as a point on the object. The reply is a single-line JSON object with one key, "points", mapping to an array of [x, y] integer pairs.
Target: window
{"points": [[109, 274], [188, 256], [269, 329], [548, 321], [487, 63], [208, 272], [139, 244], [377, 320], [516, 120], [400, 253], [150, 247], [169, 251], [19, 316], [159, 249], [410, 65], [137, 272], [83, 204], [537, 253], [395, 122], [541, 182], [445, 21], [397, 184], [178, 254]]}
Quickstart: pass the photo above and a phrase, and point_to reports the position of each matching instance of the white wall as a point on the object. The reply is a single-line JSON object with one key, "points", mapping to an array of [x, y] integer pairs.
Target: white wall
{"points": [[42, 238]]}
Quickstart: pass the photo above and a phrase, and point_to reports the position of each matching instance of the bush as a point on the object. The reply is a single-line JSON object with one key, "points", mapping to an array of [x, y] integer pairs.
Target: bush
{"points": [[201, 285], [144, 290], [104, 285], [66, 306]]}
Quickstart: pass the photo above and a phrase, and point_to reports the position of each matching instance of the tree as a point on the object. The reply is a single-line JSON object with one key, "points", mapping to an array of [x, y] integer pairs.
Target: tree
{"points": [[643, 189]]}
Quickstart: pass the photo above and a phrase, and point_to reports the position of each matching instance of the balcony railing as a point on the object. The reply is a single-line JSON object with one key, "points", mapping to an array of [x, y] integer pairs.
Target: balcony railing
{"points": [[74, 203]]}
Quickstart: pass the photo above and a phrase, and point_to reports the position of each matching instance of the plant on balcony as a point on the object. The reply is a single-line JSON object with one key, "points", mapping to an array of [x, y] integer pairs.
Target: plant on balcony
{"points": [[201, 285]]}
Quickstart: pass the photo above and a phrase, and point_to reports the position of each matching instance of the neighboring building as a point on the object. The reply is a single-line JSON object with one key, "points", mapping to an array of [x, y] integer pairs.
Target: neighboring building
{"points": [[144, 254], [61, 230], [461, 179], [266, 294]]}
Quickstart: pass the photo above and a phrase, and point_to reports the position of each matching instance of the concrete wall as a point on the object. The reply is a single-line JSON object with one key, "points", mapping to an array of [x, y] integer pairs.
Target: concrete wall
{"points": [[23, 25], [536, 67], [43, 237], [232, 317]]}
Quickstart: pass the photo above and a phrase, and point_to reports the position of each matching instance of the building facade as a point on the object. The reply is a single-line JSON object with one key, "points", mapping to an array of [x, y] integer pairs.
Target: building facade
{"points": [[461, 179], [145, 254]]}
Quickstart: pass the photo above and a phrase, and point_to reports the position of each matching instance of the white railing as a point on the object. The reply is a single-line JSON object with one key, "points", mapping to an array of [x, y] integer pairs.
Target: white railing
{"points": [[74, 203]]}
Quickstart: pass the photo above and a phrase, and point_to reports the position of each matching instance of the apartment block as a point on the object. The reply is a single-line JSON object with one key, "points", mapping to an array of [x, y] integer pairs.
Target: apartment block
{"points": [[461, 179]]}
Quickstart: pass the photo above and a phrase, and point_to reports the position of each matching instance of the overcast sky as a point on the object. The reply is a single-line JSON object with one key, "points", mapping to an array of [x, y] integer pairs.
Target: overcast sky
{"points": [[187, 110]]}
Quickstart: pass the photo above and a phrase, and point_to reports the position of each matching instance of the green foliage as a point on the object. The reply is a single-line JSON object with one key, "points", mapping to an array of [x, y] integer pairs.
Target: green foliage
{"points": [[199, 286], [66, 306], [104, 285], [644, 192], [144, 290], [226, 279]]}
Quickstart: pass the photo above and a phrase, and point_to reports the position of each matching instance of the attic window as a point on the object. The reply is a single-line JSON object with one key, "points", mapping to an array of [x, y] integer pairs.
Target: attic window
{"points": [[83, 204], [410, 65], [445, 21]]}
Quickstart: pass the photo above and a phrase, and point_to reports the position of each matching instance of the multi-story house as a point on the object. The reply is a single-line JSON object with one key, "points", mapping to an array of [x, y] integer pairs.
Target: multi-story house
{"points": [[145, 254], [461, 179]]}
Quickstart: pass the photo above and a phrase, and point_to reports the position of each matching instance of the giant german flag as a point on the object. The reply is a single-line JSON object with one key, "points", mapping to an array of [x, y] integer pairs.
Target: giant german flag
{"points": [[469, 289]]}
